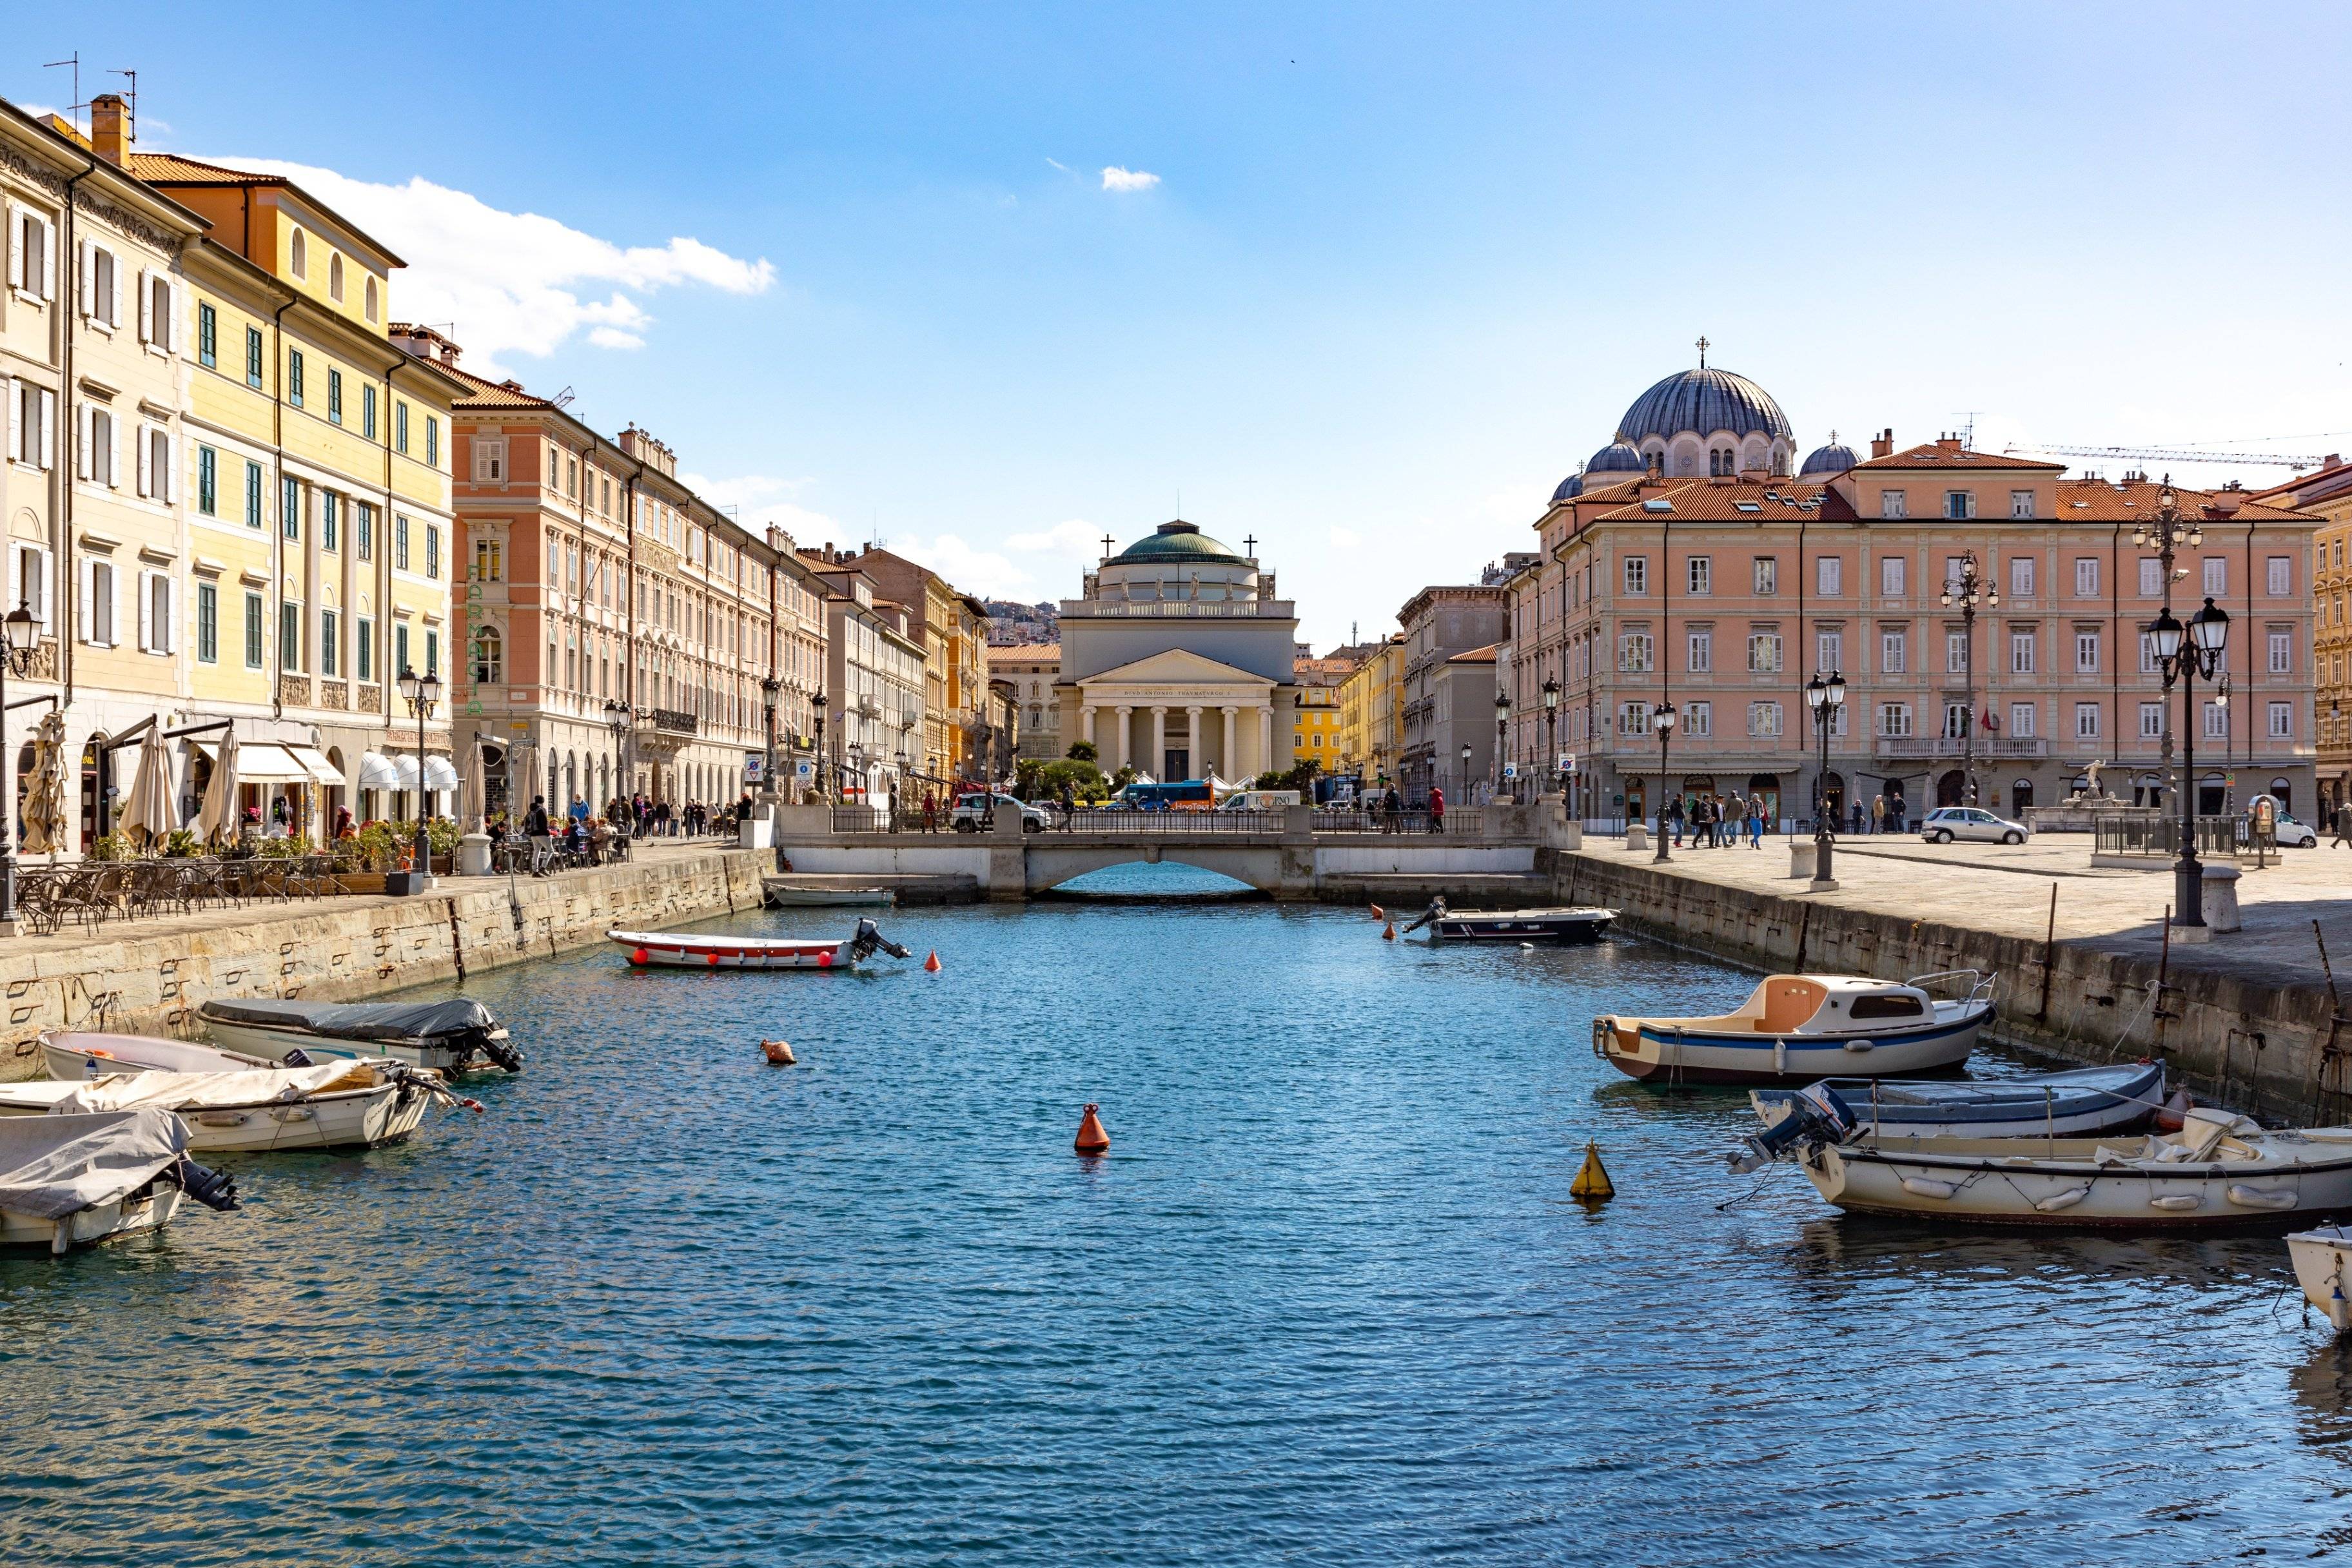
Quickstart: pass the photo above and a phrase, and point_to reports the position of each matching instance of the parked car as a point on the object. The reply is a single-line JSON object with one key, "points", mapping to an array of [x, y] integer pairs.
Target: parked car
{"points": [[972, 813], [2297, 834], [1946, 822]]}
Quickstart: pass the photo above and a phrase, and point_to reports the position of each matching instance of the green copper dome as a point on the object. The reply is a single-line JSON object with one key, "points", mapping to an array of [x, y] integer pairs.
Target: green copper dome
{"points": [[1177, 541]]}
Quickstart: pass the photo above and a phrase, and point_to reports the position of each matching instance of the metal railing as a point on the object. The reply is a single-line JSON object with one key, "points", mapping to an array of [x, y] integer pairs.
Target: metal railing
{"points": [[1468, 822], [1160, 824], [2159, 837]]}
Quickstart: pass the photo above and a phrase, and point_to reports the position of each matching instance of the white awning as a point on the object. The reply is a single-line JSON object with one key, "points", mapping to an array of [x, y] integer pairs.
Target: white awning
{"points": [[439, 774], [376, 771], [261, 762], [406, 768], [322, 770]]}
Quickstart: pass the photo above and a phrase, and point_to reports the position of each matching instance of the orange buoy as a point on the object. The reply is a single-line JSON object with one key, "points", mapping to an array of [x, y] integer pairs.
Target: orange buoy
{"points": [[714, 961], [779, 1052], [638, 955], [2173, 1115], [1092, 1139], [1388, 931], [931, 964], [1378, 914]]}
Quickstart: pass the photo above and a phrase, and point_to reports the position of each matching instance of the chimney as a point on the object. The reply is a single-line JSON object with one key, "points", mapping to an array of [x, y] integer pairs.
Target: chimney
{"points": [[1948, 443], [1883, 444], [110, 128]]}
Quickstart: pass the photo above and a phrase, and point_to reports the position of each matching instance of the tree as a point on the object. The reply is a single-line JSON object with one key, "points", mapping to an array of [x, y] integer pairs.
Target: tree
{"points": [[1083, 752]]}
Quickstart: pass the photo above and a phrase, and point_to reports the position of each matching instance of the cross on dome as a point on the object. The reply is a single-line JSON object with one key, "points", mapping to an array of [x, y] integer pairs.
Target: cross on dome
{"points": [[1703, 346]]}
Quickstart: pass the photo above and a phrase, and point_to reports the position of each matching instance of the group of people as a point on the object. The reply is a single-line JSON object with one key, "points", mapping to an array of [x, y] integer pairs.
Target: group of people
{"points": [[1389, 806], [1717, 822]]}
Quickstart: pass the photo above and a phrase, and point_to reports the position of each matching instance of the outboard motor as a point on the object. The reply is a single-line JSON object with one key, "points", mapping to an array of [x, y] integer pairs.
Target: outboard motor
{"points": [[870, 939], [1816, 1115], [214, 1189], [1436, 911], [501, 1052]]}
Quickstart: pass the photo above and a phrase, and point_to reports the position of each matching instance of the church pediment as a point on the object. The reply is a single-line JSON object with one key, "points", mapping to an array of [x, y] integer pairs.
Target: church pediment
{"points": [[1177, 666]]}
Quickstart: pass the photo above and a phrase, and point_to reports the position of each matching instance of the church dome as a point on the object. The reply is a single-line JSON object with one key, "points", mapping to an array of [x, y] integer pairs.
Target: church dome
{"points": [[1618, 457], [1570, 489], [1178, 541], [1829, 461], [1705, 401]]}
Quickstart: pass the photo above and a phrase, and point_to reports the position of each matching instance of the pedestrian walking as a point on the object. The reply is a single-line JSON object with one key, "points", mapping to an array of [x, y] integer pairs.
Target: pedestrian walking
{"points": [[542, 841], [930, 812], [1756, 821], [1674, 816], [1436, 809], [2342, 826], [1878, 813]]}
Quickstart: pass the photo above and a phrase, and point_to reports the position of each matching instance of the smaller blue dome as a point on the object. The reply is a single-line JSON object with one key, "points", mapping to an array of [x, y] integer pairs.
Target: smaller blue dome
{"points": [[1618, 457], [1570, 489], [1833, 459]]}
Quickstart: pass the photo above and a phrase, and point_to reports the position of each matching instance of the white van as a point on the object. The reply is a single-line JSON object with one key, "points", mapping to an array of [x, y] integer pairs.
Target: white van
{"points": [[1259, 800]]}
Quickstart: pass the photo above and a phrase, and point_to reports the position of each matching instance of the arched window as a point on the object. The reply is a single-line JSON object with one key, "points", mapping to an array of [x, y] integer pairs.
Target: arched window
{"points": [[335, 278], [371, 299], [300, 250], [489, 658]]}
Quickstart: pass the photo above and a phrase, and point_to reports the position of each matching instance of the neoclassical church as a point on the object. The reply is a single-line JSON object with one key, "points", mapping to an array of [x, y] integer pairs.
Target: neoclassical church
{"points": [[1177, 660]]}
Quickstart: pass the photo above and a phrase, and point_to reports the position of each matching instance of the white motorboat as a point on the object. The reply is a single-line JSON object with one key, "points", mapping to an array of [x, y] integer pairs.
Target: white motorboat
{"points": [[2079, 1102], [2323, 1257], [71, 1055], [333, 1105], [691, 950], [85, 1177], [788, 893], [1796, 1029], [1583, 923], [2218, 1172], [449, 1035]]}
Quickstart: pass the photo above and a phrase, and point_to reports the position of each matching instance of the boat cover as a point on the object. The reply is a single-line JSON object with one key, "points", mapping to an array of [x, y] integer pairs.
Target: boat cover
{"points": [[52, 1166], [182, 1090], [360, 1020]]}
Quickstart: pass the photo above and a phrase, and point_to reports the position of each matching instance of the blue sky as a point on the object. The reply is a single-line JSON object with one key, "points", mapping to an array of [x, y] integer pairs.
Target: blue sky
{"points": [[1400, 269]]}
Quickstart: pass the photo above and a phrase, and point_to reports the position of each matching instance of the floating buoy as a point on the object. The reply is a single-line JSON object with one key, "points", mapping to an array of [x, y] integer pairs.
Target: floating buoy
{"points": [[1388, 931], [1592, 1185], [638, 955], [1092, 1139], [824, 959], [779, 1052], [1378, 914], [2174, 1113], [931, 964], [714, 961]]}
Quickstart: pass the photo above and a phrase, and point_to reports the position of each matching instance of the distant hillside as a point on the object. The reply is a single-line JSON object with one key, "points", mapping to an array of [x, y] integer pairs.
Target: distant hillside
{"points": [[1010, 624]]}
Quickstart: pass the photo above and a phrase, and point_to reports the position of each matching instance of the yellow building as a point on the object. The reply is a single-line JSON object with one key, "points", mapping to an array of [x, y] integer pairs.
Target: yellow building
{"points": [[1316, 736], [1369, 700], [2326, 493]]}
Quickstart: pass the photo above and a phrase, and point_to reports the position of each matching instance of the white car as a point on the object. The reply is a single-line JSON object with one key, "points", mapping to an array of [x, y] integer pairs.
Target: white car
{"points": [[2296, 835], [1946, 822], [973, 810]]}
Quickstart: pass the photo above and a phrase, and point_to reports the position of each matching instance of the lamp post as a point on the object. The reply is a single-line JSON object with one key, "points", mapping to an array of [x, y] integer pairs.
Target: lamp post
{"points": [[1664, 718], [21, 634], [2182, 652], [1502, 734], [768, 689], [818, 702], [1967, 589], [1824, 698], [1551, 725], [423, 693], [1465, 772]]}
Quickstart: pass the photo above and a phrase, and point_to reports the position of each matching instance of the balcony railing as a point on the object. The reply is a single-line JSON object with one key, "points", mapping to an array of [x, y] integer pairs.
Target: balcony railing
{"points": [[1989, 747], [1225, 609]]}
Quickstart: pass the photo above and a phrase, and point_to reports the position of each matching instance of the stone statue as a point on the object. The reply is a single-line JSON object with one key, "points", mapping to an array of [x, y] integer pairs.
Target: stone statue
{"points": [[2093, 791]]}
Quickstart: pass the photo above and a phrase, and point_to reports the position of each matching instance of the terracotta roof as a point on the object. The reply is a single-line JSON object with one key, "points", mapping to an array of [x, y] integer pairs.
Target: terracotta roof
{"points": [[1476, 655], [170, 169], [490, 393], [1744, 501], [1938, 455], [2134, 500], [2320, 483]]}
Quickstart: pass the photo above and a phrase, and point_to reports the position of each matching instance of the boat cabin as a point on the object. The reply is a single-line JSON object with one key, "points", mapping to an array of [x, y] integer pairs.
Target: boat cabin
{"points": [[1815, 1005]]}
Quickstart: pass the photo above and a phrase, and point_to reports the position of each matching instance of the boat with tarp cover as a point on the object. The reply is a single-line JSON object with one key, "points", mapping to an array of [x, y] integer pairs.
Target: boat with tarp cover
{"points": [[449, 1036], [702, 949], [78, 1178], [329, 1105], [2071, 1104]]}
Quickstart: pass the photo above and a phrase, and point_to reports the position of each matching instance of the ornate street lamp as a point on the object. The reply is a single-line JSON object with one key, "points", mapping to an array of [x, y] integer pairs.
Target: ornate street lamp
{"points": [[19, 636], [1551, 726], [423, 693], [1502, 733], [1664, 718], [818, 702], [768, 689], [1465, 772], [2182, 653], [1824, 698], [1967, 588]]}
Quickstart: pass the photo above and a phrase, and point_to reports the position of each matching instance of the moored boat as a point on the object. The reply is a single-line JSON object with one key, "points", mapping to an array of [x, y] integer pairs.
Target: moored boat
{"points": [[2077, 1103], [694, 950], [73, 1054], [1583, 923], [790, 893], [448, 1036], [1796, 1029], [333, 1105], [2322, 1258], [78, 1179]]}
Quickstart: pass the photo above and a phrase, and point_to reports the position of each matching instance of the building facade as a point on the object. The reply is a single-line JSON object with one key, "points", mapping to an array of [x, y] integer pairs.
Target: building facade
{"points": [[952, 628], [2325, 495], [877, 686], [1032, 669], [1371, 699], [1439, 623]]}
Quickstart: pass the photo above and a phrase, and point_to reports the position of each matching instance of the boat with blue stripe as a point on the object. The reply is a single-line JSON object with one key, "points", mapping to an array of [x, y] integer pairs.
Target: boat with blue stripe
{"points": [[1795, 1030]]}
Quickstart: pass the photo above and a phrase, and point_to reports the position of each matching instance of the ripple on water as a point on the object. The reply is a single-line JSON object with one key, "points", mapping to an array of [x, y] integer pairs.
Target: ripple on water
{"points": [[1326, 1301]]}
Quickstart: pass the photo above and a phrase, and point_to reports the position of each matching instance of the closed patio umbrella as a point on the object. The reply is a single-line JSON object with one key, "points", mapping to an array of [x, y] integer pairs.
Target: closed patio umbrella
{"points": [[473, 791], [218, 818], [45, 789], [147, 816]]}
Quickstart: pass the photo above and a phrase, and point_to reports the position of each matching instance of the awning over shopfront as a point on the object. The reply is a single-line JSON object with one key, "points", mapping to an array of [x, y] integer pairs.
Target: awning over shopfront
{"points": [[377, 771], [406, 768], [439, 774], [322, 770], [263, 762]]}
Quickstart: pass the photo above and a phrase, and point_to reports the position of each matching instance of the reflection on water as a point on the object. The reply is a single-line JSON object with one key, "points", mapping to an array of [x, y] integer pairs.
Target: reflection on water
{"points": [[1326, 1301]]}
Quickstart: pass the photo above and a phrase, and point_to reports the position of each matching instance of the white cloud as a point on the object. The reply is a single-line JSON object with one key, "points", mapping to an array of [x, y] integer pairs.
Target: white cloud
{"points": [[970, 568], [759, 499], [1345, 538], [1118, 179], [509, 283], [1059, 164], [1074, 537]]}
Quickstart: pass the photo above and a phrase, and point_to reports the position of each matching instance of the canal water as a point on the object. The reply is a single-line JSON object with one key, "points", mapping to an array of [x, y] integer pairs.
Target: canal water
{"points": [[1327, 1302]]}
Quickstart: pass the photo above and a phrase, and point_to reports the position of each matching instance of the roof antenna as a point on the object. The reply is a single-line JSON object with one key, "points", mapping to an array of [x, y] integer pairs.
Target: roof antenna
{"points": [[1968, 427], [73, 109], [134, 96]]}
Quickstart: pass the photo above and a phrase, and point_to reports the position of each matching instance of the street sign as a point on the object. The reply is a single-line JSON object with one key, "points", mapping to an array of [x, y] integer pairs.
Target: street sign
{"points": [[1510, 770], [1567, 762]]}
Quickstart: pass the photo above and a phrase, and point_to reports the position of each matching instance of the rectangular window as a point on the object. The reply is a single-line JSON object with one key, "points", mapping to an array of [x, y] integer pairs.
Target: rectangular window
{"points": [[2021, 718], [290, 509], [1890, 576], [432, 651], [364, 648], [1892, 504], [400, 426], [207, 623], [1829, 651], [2151, 720], [1955, 653], [1893, 654], [432, 442], [294, 378], [2151, 577], [400, 541], [1956, 721], [2215, 721], [2087, 721], [367, 411], [433, 550], [290, 635], [1828, 576], [1763, 718], [2281, 652], [1635, 652], [2021, 576], [207, 337], [1698, 718], [2147, 654], [252, 613], [2217, 575], [2020, 652], [1767, 574], [400, 647], [1894, 719], [488, 568], [253, 356], [1637, 574], [2086, 650], [2086, 577], [489, 460], [1701, 574], [1763, 653], [334, 396], [1634, 718], [2280, 576], [1959, 504], [253, 518], [363, 530], [1701, 652], [2281, 725], [207, 481], [330, 529], [329, 644], [2021, 503]]}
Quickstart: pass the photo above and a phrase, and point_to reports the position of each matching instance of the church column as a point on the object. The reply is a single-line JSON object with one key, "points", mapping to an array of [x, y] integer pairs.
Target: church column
{"points": [[1226, 757], [1158, 763], [1193, 749], [1265, 736], [1125, 714], [1086, 720]]}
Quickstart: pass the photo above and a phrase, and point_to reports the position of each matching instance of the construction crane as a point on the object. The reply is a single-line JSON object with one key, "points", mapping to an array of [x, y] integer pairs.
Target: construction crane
{"points": [[2171, 455]]}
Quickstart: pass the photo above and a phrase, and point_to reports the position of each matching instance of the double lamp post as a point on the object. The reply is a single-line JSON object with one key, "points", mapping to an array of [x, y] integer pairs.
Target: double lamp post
{"points": [[2182, 653]]}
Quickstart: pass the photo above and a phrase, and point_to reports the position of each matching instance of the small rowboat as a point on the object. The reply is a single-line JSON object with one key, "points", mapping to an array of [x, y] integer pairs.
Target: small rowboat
{"points": [[2075, 1104], [71, 1055], [335, 1105], [1796, 1029], [1579, 924], [2323, 1257], [784, 893], [690, 950]]}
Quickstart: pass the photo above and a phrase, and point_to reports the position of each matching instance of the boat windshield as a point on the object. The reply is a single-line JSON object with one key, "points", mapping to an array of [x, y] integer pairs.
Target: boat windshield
{"points": [[1886, 1006]]}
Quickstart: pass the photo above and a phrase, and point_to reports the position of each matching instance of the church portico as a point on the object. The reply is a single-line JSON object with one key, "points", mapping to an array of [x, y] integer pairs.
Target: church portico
{"points": [[1178, 711]]}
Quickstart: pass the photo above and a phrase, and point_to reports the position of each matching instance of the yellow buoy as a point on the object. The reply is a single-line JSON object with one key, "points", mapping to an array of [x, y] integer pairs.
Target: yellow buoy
{"points": [[1592, 1184]]}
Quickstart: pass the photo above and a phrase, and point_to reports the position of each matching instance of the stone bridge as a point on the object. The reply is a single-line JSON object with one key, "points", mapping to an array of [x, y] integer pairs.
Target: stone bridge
{"points": [[1493, 851]]}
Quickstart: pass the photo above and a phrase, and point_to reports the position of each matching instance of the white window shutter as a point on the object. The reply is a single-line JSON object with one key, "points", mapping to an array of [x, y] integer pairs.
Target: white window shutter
{"points": [[48, 259], [83, 418], [89, 600], [113, 452], [171, 614], [18, 217], [171, 466], [86, 259], [146, 306], [146, 467], [17, 594], [10, 390], [146, 621], [41, 587], [114, 293], [179, 333], [48, 425]]}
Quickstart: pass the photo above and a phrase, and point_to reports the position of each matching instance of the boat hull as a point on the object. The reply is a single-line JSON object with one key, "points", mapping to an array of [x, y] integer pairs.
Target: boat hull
{"points": [[2139, 1195], [1523, 925], [151, 1208], [345, 1118], [2075, 1104], [652, 951], [65, 1062], [1788, 1061], [271, 1042], [777, 896], [2323, 1266]]}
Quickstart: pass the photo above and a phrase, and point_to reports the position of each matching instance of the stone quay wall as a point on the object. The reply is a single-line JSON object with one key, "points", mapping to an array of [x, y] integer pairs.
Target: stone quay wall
{"points": [[148, 976], [2246, 1038]]}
